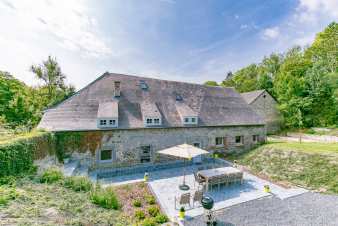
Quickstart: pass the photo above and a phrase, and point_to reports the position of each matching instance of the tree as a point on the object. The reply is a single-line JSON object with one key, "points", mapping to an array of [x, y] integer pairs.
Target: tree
{"points": [[50, 73], [211, 83], [304, 81], [54, 81], [325, 47]]}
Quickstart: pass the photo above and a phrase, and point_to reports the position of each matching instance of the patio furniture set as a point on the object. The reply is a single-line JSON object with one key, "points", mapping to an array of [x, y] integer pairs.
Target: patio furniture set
{"points": [[208, 178], [220, 176]]}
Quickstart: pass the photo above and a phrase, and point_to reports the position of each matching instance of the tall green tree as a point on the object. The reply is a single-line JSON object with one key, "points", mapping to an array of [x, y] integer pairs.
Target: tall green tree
{"points": [[54, 81], [304, 81]]}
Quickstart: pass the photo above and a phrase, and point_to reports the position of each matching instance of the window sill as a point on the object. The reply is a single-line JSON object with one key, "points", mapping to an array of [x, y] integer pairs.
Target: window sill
{"points": [[106, 161], [239, 145]]}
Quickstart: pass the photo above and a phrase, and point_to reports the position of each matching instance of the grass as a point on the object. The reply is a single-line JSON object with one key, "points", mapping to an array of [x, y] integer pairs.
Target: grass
{"points": [[10, 137], [51, 175], [63, 200], [310, 147], [105, 197], [54, 204], [77, 183], [311, 165]]}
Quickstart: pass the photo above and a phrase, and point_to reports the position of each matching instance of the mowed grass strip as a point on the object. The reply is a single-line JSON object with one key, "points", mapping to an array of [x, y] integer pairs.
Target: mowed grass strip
{"points": [[314, 147], [311, 165]]}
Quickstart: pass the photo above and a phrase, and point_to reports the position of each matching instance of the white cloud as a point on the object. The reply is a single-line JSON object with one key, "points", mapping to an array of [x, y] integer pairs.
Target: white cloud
{"points": [[270, 33], [67, 21]]}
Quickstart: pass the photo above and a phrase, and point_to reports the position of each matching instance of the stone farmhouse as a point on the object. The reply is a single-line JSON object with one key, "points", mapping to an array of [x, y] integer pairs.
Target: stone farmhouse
{"points": [[266, 106], [126, 119]]}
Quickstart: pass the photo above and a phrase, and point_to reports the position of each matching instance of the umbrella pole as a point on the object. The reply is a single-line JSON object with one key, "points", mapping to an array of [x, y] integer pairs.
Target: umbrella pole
{"points": [[184, 186]]}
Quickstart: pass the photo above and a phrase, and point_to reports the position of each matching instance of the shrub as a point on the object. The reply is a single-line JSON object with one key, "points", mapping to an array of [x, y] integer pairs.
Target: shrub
{"points": [[153, 211], [161, 218], [77, 183], [139, 215], [7, 180], [51, 175], [105, 197], [17, 154], [6, 194], [150, 199], [149, 222], [137, 203]]}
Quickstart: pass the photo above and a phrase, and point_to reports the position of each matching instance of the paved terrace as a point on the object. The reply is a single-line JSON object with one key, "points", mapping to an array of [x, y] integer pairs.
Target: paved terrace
{"points": [[164, 184]]}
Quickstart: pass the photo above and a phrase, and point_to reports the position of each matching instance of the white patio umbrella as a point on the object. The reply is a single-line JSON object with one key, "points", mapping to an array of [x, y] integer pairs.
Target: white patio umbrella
{"points": [[185, 151]]}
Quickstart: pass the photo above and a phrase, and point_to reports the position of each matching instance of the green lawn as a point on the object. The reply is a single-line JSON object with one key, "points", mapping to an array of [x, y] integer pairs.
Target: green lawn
{"points": [[311, 165], [305, 146]]}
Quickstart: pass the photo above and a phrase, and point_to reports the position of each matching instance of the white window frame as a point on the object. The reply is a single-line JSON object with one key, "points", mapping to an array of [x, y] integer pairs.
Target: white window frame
{"points": [[111, 160], [221, 144], [107, 123], [152, 121], [241, 140], [190, 120]]}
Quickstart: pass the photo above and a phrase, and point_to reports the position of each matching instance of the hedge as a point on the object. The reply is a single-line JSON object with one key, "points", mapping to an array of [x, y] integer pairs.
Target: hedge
{"points": [[17, 155]]}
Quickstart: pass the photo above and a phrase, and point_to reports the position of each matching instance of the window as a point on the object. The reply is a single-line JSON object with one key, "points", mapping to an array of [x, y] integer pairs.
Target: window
{"points": [[239, 139], [186, 120], [149, 121], [219, 141], [112, 122], [145, 154], [255, 138], [106, 155], [193, 120], [103, 122], [156, 121]]}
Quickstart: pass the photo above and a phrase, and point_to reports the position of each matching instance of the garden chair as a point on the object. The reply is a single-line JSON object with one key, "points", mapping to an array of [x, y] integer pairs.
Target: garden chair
{"points": [[184, 199], [197, 197], [198, 179]]}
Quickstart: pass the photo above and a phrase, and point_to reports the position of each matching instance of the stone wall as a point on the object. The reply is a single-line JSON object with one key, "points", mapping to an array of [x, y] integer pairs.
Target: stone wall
{"points": [[267, 107], [127, 143]]}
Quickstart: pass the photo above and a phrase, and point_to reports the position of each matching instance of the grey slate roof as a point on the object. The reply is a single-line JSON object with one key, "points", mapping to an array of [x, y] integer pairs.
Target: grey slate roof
{"points": [[108, 110], [216, 106], [149, 109], [250, 97], [184, 110]]}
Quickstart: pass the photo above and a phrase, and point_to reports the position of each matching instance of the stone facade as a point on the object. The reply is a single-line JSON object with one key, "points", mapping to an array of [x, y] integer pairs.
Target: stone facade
{"points": [[266, 106], [126, 145]]}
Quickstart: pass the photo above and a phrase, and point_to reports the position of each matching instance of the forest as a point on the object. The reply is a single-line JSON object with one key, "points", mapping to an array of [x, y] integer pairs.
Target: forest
{"points": [[304, 81], [21, 106]]}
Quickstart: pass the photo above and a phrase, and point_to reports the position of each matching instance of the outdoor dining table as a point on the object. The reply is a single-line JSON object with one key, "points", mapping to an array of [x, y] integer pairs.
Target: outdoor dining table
{"points": [[210, 174]]}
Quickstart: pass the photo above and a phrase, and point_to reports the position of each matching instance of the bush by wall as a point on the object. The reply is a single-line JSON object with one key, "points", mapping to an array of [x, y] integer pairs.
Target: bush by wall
{"points": [[17, 155]]}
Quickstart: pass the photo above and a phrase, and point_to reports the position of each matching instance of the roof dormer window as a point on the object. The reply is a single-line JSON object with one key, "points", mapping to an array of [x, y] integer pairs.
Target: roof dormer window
{"points": [[107, 115], [152, 122], [190, 120]]}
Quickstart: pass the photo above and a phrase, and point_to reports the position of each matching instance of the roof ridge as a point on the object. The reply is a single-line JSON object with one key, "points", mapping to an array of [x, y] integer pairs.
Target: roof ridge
{"points": [[166, 80]]}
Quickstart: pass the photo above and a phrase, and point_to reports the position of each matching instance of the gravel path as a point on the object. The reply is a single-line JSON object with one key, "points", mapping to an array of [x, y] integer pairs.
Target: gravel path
{"points": [[309, 209]]}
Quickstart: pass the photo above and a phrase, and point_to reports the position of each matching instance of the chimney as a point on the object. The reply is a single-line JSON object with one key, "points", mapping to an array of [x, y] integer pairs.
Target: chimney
{"points": [[117, 88]]}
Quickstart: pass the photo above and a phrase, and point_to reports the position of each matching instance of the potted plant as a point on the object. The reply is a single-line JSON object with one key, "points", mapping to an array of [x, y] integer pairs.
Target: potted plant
{"points": [[146, 176], [267, 188], [182, 213]]}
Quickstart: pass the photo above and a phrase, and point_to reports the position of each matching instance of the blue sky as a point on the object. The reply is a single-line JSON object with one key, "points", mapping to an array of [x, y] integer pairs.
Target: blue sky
{"points": [[185, 40]]}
